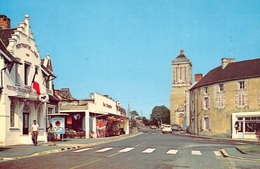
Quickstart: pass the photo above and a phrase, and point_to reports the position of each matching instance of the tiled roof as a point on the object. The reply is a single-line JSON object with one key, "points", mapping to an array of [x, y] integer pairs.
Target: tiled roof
{"points": [[181, 58], [5, 34], [233, 71], [10, 57]]}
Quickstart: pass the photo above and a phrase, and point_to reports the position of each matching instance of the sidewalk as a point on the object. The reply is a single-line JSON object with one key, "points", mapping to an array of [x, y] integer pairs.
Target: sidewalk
{"points": [[22, 151], [229, 152]]}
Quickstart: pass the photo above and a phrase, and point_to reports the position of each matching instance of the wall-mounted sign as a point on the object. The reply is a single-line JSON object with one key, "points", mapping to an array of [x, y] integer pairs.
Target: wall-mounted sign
{"points": [[107, 105], [23, 45]]}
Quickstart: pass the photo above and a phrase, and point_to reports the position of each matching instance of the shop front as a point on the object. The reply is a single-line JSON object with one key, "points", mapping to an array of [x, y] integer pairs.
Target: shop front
{"points": [[246, 125]]}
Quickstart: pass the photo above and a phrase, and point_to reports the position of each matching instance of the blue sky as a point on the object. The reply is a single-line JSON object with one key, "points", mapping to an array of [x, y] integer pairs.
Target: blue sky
{"points": [[125, 48]]}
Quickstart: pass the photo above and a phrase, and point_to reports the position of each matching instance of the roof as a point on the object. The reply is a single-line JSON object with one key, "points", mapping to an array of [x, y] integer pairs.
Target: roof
{"points": [[181, 58], [5, 34], [7, 55], [233, 71]]}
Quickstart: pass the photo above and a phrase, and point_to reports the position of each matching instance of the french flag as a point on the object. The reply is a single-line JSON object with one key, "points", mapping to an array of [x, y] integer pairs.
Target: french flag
{"points": [[36, 84]]}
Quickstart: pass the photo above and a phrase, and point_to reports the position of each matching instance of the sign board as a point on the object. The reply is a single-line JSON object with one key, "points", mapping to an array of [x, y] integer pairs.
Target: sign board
{"points": [[58, 124]]}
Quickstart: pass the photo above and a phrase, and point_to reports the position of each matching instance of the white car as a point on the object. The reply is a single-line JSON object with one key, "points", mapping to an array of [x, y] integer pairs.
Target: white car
{"points": [[167, 129]]}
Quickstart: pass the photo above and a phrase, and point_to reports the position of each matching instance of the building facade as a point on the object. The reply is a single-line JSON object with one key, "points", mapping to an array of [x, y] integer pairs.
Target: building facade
{"points": [[97, 116], [226, 102], [181, 81], [20, 104]]}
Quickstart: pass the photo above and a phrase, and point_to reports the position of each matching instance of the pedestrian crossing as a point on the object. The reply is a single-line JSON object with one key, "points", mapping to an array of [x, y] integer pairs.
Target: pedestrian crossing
{"points": [[148, 150]]}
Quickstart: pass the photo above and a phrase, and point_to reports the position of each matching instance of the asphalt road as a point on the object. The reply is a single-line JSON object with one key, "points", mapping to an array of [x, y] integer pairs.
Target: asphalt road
{"points": [[151, 150]]}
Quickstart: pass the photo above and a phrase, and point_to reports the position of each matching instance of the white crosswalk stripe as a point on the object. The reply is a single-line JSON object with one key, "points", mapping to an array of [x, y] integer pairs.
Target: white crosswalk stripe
{"points": [[104, 150], [126, 150], [85, 149], [171, 151], [145, 151], [148, 150], [217, 153], [193, 152]]}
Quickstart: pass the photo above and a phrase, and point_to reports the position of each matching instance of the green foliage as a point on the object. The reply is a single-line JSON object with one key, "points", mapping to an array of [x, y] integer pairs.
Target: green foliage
{"points": [[133, 114], [160, 114]]}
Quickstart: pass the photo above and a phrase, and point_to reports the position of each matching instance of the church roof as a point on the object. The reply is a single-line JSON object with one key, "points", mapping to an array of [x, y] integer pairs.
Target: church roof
{"points": [[181, 57]]}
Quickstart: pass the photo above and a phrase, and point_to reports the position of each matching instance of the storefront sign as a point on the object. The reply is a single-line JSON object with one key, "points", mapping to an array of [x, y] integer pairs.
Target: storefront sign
{"points": [[58, 124], [21, 90], [107, 105], [23, 45]]}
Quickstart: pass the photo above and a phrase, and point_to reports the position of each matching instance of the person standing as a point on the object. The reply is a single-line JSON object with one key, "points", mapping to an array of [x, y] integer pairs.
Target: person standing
{"points": [[35, 132], [51, 135]]}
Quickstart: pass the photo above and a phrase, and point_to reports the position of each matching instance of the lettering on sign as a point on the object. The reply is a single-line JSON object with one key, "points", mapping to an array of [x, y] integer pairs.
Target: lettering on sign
{"points": [[107, 105], [23, 45], [21, 90]]}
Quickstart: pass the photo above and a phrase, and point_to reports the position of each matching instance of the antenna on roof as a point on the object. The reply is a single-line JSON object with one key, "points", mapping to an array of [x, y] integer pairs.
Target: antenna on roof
{"points": [[231, 48]]}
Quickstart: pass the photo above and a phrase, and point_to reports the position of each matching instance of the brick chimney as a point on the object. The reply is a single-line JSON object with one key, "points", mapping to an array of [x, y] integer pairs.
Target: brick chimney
{"points": [[198, 77], [4, 22], [226, 61]]}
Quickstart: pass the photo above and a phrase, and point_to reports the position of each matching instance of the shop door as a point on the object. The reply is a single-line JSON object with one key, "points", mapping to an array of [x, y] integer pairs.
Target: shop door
{"points": [[240, 130], [25, 123]]}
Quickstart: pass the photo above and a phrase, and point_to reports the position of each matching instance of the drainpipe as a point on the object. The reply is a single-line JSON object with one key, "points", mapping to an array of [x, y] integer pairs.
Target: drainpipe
{"points": [[1, 87]]}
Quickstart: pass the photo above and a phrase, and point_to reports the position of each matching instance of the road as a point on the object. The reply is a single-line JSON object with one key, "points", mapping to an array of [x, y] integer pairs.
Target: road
{"points": [[151, 150]]}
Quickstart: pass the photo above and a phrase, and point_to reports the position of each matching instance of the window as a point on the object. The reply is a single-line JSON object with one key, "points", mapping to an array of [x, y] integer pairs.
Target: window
{"points": [[12, 115], [220, 101], [206, 90], [205, 103], [241, 85], [241, 100], [205, 123], [16, 73], [26, 73], [221, 87]]}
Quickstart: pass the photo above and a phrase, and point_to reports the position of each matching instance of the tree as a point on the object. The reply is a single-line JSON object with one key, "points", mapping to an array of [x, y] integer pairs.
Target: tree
{"points": [[133, 114], [160, 114]]}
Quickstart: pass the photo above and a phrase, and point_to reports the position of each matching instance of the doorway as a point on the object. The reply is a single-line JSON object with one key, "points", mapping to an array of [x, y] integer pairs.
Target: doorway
{"points": [[25, 123]]}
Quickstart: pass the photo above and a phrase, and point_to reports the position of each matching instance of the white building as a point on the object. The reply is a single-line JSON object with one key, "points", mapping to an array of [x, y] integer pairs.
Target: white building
{"points": [[19, 103]]}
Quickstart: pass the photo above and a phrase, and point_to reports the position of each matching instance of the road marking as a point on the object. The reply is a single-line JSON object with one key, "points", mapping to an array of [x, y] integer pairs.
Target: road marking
{"points": [[85, 149], [148, 150], [104, 150], [217, 153], [195, 152], [171, 151], [126, 150]]}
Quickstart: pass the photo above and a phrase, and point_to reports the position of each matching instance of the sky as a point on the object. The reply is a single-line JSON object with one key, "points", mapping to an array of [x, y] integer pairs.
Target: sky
{"points": [[124, 48]]}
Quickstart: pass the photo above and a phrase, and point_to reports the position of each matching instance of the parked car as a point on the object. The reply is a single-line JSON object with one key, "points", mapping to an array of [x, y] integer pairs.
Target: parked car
{"points": [[153, 127], [162, 126], [167, 129], [175, 127]]}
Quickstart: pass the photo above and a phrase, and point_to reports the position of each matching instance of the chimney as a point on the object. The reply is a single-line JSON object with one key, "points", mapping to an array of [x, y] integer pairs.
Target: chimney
{"points": [[181, 52], [4, 22], [198, 77], [226, 61]]}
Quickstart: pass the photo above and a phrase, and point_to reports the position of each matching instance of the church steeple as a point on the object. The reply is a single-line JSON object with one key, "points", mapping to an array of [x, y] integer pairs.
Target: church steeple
{"points": [[181, 70]]}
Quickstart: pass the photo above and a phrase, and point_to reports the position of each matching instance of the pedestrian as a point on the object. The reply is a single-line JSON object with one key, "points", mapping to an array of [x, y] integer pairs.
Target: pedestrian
{"points": [[35, 132], [51, 135]]}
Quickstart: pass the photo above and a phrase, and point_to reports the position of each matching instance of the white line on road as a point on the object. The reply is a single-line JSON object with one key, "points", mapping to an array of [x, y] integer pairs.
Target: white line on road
{"points": [[104, 149], [148, 150], [171, 151], [196, 152], [126, 150], [85, 149]]}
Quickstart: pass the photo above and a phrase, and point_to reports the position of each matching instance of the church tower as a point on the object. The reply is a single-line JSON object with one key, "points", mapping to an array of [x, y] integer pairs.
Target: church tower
{"points": [[181, 81]]}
